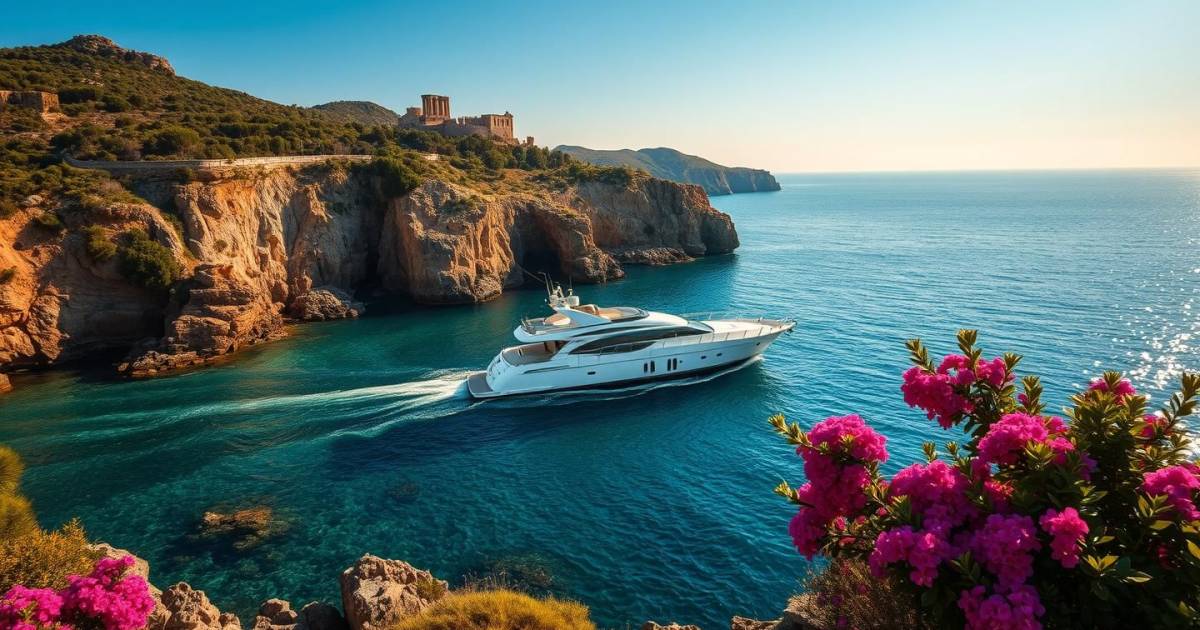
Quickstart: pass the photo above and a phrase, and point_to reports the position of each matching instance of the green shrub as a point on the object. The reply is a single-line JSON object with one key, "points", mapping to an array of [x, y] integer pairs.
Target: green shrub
{"points": [[50, 222], [499, 610], [146, 262], [171, 141], [42, 559], [396, 178], [184, 175], [7, 274], [114, 104], [99, 248], [429, 589], [79, 94]]}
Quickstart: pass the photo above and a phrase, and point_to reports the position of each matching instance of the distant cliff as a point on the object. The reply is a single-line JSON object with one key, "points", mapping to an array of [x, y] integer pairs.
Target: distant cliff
{"points": [[680, 167]]}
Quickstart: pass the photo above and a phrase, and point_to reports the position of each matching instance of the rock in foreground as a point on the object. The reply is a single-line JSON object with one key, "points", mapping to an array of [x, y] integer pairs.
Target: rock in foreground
{"points": [[376, 593], [277, 614], [189, 609]]}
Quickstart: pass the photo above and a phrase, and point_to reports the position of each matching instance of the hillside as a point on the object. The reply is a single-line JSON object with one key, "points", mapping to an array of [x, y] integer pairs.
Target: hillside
{"points": [[175, 267], [362, 112], [680, 167]]}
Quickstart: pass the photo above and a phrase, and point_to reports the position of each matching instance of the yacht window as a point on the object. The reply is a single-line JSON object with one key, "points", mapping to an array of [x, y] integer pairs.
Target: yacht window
{"points": [[621, 342]]}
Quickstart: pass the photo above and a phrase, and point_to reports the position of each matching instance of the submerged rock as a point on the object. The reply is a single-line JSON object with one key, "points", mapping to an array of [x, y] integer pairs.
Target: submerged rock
{"points": [[246, 528], [650, 625], [377, 593]]}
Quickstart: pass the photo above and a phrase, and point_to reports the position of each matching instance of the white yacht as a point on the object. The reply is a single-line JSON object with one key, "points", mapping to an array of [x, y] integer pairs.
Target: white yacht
{"points": [[588, 346]]}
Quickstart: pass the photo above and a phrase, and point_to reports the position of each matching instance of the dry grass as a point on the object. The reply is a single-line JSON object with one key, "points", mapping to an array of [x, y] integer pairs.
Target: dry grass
{"points": [[43, 559], [499, 610], [845, 590]]}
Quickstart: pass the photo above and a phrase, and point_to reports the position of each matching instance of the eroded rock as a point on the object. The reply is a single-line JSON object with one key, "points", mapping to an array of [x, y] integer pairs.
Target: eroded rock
{"points": [[245, 528], [650, 625], [189, 609], [277, 614], [377, 593], [325, 304]]}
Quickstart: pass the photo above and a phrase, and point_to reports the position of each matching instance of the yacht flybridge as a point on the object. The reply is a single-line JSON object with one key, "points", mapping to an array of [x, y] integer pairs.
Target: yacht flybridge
{"points": [[584, 346]]}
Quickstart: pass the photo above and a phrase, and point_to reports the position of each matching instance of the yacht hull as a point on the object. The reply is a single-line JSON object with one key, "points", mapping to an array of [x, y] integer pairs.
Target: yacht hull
{"points": [[660, 362]]}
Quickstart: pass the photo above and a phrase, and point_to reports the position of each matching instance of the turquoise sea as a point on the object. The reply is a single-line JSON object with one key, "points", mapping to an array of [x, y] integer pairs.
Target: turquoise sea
{"points": [[646, 504]]}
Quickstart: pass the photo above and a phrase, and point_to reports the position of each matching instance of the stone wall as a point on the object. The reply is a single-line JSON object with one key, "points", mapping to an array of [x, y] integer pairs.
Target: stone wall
{"points": [[171, 165], [42, 101]]}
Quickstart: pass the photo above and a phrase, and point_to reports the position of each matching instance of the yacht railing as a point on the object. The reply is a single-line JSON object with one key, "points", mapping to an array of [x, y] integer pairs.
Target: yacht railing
{"points": [[735, 317]]}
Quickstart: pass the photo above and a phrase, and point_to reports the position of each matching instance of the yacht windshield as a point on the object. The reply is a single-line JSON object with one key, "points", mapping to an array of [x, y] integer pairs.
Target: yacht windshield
{"points": [[634, 340]]}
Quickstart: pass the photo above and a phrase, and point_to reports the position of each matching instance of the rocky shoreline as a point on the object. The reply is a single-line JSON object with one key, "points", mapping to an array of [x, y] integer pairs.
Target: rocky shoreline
{"points": [[376, 594], [259, 248]]}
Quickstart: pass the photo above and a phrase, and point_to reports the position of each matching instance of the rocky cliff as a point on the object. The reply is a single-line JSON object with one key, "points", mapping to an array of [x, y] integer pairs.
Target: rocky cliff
{"points": [[255, 248], [676, 166]]}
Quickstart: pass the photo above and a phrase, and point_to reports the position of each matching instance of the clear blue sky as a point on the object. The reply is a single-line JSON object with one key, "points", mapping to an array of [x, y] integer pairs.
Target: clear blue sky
{"points": [[783, 85]]}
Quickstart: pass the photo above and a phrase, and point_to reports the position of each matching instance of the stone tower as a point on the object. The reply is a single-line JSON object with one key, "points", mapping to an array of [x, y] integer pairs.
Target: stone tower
{"points": [[435, 107]]}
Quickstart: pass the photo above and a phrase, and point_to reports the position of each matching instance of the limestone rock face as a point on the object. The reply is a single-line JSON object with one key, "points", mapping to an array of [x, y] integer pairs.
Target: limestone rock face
{"points": [[266, 241], [258, 245], [376, 593], [105, 47], [58, 303], [446, 244], [641, 221]]}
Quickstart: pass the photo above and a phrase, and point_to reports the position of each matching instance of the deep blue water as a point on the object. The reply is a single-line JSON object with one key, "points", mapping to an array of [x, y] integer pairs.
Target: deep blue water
{"points": [[652, 504]]}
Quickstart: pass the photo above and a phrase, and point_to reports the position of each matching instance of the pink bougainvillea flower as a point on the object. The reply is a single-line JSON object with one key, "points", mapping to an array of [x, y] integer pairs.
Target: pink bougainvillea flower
{"points": [[1004, 545], [865, 445], [1123, 389], [1179, 484], [937, 492], [118, 603], [29, 607], [922, 550], [1017, 608], [934, 393], [1155, 426], [1067, 530], [837, 477]]}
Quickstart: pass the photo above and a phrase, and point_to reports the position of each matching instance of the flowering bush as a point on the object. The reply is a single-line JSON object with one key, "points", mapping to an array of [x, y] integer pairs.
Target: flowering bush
{"points": [[1034, 520], [106, 599]]}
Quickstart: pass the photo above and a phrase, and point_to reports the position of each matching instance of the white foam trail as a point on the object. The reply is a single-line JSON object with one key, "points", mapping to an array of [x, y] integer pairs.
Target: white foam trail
{"points": [[439, 386]]}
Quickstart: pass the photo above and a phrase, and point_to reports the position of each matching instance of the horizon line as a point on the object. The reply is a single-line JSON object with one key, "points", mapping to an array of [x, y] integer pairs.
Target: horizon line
{"points": [[900, 171]]}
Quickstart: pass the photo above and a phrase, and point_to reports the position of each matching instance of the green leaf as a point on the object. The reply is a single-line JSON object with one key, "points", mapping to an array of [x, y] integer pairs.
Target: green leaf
{"points": [[1137, 577], [1160, 525], [1194, 549]]}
